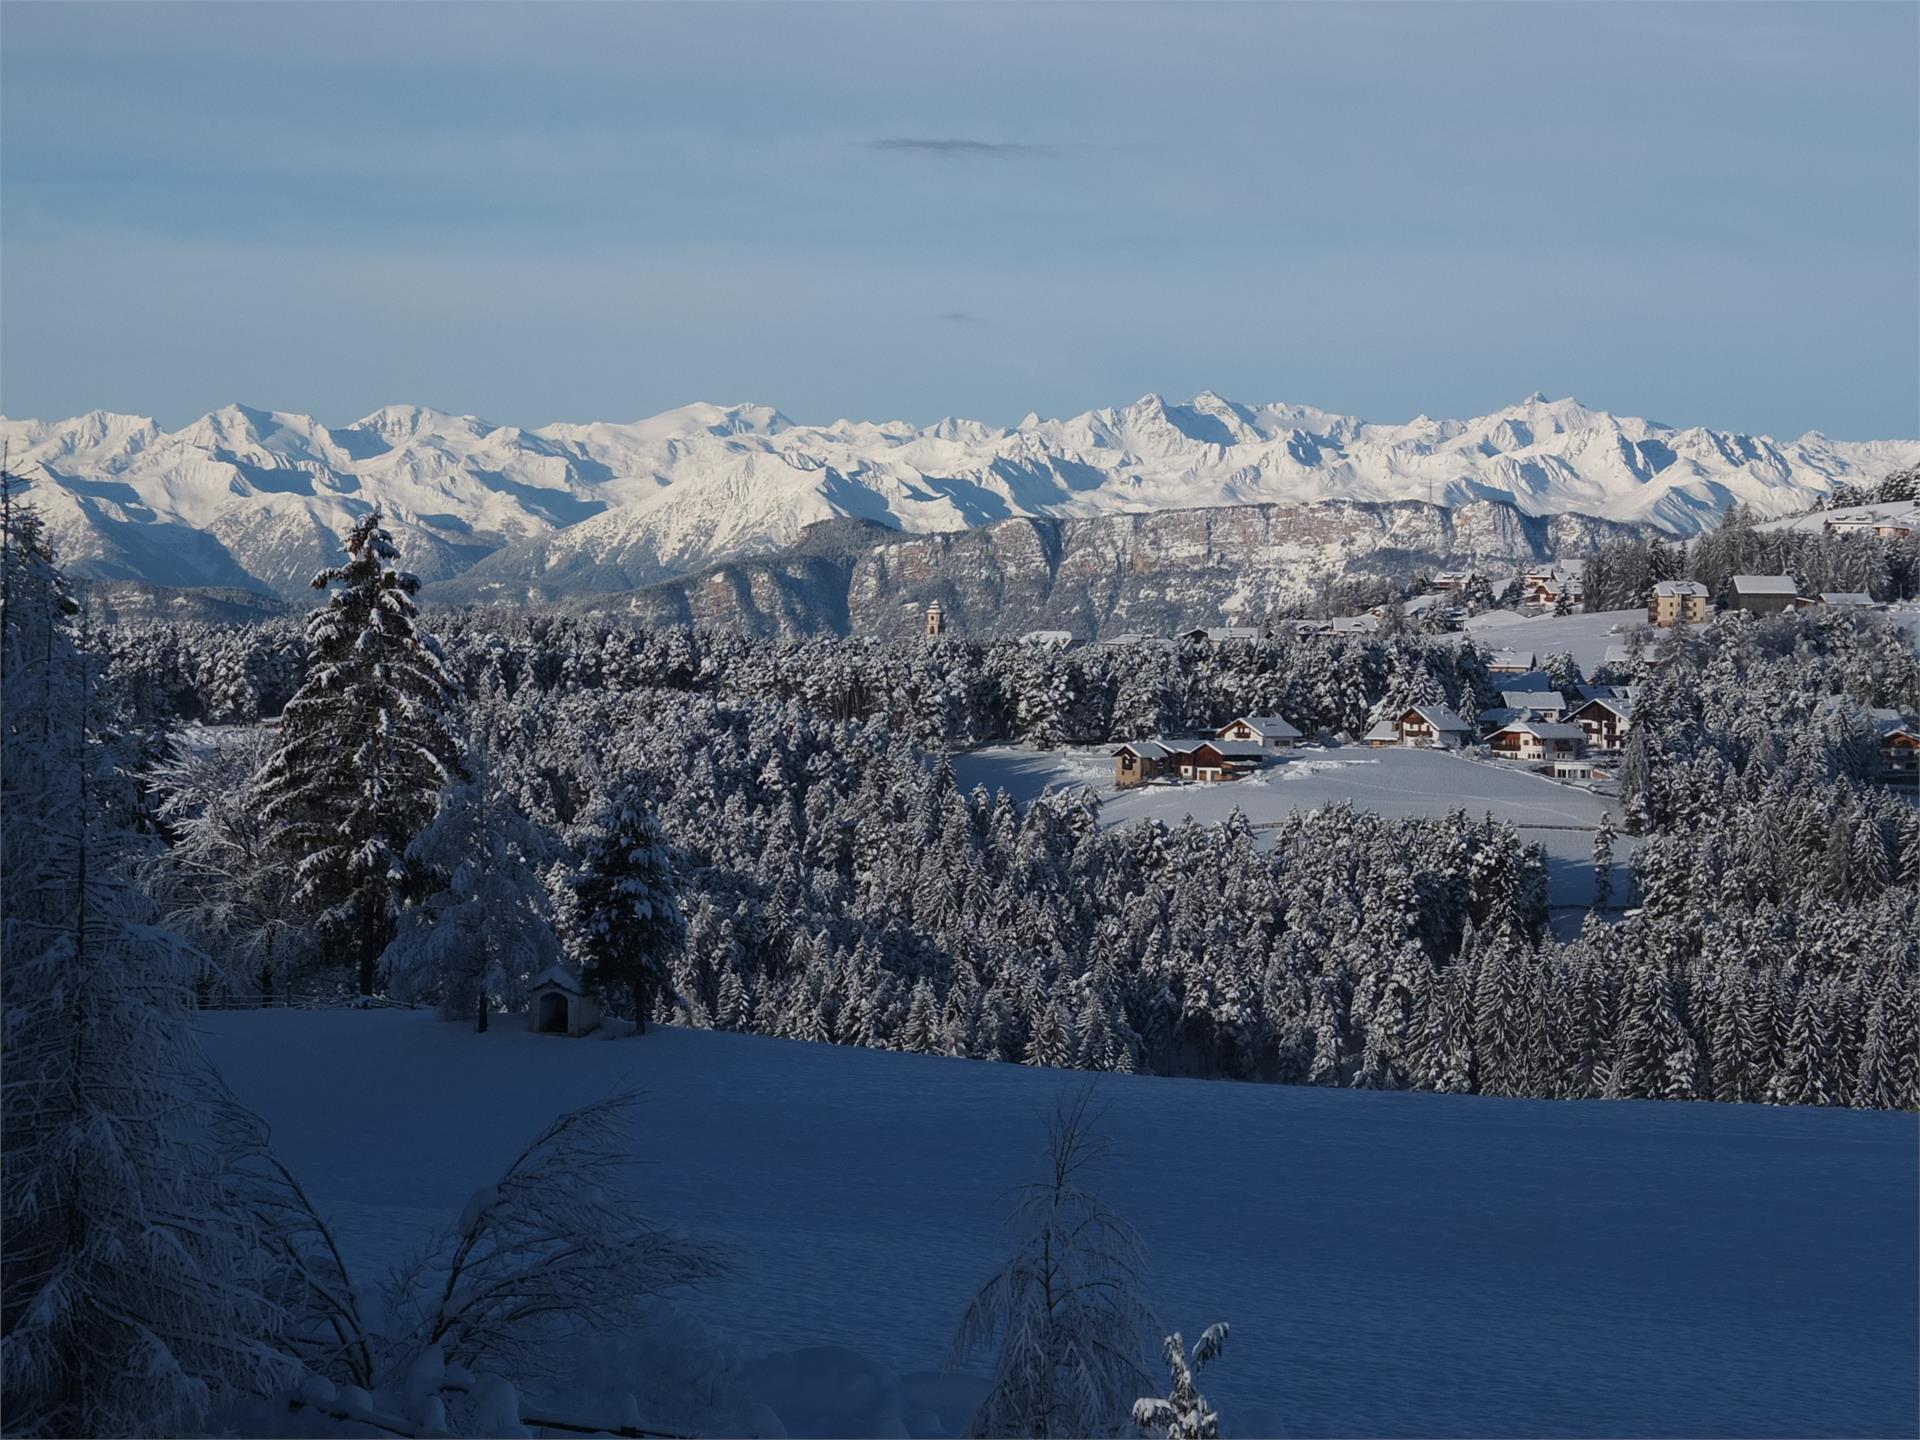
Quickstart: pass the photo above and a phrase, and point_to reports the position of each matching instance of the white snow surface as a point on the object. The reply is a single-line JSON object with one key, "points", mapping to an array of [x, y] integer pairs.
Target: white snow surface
{"points": [[1586, 637], [1388, 781], [254, 496], [1391, 1264]]}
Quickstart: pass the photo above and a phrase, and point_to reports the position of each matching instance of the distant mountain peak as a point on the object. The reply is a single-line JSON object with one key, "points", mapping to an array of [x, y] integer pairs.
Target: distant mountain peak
{"points": [[247, 494]]}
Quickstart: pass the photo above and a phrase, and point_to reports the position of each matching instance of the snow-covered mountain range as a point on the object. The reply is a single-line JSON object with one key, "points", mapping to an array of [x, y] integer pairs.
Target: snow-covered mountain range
{"points": [[256, 498]]}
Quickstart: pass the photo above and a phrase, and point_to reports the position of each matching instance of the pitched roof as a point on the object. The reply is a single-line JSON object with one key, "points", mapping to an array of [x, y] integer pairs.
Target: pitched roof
{"points": [[1845, 597], [1620, 705], [1384, 730], [1679, 587], [1532, 700], [1146, 749], [1438, 716], [1234, 749], [1271, 726], [1507, 659], [558, 975], [1545, 730], [1764, 585]]}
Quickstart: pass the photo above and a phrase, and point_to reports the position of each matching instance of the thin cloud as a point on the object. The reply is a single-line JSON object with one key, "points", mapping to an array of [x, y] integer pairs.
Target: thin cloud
{"points": [[960, 149], [961, 317]]}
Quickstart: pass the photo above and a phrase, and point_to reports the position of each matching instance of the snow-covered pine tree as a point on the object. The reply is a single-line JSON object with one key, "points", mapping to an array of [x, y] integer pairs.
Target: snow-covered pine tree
{"points": [[619, 906], [484, 928], [132, 1295], [1063, 1320], [1603, 838], [1184, 1414], [219, 884], [365, 747]]}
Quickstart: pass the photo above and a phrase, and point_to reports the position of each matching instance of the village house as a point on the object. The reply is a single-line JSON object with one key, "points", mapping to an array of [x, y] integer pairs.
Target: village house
{"points": [[1888, 527], [1606, 721], [1455, 579], [1538, 740], [1202, 760], [1139, 761], [1537, 704], [1572, 769], [1431, 727], [1211, 761], [1509, 662], [1763, 594], [1900, 749], [1675, 600], [1545, 584], [1222, 634], [1269, 732], [1620, 654]]}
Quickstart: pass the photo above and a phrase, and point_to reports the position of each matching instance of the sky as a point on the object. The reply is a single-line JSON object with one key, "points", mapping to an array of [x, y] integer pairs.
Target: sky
{"points": [[1704, 214]]}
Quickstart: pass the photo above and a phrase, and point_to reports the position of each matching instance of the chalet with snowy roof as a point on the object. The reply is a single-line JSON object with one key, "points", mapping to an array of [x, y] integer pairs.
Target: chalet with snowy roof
{"points": [[1546, 585], [1430, 727], [1847, 599], [1212, 761], [557, 1004], [1762, 594], [1606, 720], [1538, 740], [1537, 704], [1455, 579], [1222, 634], [1900, 749], [1509, 662], [1139, 761], [1675, 600], [1353, 624], [1269, 732], [1620, 654], [1896, 525]]}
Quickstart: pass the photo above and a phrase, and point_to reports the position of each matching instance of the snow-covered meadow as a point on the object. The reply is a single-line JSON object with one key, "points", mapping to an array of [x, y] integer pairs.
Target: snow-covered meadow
{"points": [[1388, 781], [1391, 1263]]}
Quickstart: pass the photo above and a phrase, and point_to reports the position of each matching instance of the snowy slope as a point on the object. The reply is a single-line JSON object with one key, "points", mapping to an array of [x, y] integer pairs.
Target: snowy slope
{"points": [[1898, 512], [1391, 1264], [246, 493]]}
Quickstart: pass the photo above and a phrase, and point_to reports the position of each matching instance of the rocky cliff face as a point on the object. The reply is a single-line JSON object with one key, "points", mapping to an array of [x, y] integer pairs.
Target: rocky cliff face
{"points": [[1102, 576]]}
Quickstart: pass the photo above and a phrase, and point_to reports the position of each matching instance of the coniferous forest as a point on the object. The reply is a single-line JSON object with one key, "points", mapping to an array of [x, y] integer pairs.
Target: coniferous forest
{"points": [[820, 875]]}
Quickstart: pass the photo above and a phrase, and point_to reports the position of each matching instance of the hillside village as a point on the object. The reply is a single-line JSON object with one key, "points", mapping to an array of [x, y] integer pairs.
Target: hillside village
{"points": [[1571, 732]]}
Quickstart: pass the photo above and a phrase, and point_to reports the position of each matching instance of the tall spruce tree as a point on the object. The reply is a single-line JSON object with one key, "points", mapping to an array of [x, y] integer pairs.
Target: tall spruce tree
{"points": [[365, 747], [619, 908]]}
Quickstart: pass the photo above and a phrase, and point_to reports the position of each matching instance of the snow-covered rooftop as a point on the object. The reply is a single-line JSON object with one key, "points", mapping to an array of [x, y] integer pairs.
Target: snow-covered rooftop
{"points": [[1764, 585]]}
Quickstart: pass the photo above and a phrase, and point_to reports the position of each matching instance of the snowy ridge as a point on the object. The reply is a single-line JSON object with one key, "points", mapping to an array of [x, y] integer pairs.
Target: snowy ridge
{"points": [[254, 497]]}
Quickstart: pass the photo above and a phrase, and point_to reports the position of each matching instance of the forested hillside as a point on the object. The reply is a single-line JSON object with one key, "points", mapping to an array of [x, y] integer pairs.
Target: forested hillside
{"points": [[837, 885]]}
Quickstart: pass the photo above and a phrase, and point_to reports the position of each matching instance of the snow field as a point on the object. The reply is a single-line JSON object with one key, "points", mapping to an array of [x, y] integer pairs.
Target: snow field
{"points": [[1388, 781], [1391, 1264]]}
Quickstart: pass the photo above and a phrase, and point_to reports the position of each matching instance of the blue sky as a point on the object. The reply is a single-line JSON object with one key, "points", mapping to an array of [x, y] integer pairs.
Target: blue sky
{"points": [[1703, 213]]}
